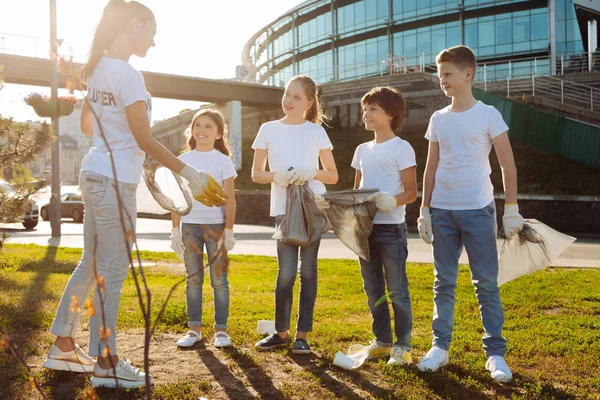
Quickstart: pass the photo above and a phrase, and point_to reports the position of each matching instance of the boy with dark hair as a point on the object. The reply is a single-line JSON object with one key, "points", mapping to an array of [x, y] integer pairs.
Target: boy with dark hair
{"points": [[458, 208], [387, 163]]}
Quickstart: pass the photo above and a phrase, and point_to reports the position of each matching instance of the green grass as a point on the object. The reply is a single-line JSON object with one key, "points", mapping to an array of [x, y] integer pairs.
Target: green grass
{"points": [[552, 326]]}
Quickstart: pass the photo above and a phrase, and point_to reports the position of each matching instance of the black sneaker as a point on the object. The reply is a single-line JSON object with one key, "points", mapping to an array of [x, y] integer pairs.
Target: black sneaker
{"points": [[301, 346], [271, 342]]}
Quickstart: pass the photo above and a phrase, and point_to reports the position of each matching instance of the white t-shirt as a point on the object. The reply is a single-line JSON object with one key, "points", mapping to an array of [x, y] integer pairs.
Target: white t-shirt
{"points": [[220, 167], [288, 146], [380, 165], [114, 85], [462, 180]]}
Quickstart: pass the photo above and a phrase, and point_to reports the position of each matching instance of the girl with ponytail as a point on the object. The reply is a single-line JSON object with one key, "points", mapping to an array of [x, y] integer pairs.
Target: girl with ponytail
{"points": [[116, 113], [293, 146]]}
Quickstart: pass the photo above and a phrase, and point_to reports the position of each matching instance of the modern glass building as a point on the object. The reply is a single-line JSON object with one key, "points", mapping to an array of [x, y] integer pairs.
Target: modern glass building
{"points": [[340, 40]]}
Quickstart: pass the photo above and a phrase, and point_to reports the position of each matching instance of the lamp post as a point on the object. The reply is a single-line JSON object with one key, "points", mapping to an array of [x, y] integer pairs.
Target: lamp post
{"points": [[55, 198]]}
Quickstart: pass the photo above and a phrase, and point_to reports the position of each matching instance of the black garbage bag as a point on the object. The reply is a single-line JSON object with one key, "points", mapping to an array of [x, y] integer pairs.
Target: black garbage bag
{"points": [[351, 217], [303, 223]]}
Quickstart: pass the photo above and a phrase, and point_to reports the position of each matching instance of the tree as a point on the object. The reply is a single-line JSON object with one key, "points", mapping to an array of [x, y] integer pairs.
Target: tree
{"points": [[20, 144]]}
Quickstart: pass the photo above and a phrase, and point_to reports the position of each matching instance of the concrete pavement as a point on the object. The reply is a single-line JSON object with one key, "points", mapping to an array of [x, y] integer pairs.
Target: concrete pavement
{"points": [[153, 235]]}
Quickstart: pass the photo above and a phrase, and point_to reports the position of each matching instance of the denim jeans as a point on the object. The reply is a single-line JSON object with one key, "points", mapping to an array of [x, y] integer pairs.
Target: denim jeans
{"points": [[388, 249], [102, 235], [195, 238], [476, 230], [287, 260]]}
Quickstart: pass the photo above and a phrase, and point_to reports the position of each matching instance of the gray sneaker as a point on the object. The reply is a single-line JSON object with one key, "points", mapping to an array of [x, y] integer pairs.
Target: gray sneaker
{"points": [[74, 360], [301, 346], [272, 342]]}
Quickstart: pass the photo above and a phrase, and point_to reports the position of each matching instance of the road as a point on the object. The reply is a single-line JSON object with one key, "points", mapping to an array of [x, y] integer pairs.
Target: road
{"points": [[153, 234]]}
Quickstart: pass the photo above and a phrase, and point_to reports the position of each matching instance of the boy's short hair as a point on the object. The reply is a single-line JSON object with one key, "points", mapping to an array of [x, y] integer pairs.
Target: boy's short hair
{"points": [[390, 100], [461, 56]]}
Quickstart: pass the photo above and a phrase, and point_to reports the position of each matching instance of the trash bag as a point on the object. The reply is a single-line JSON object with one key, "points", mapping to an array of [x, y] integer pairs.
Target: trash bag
{"points": [[303, 223], [160, 180], [351, 217], [536, 247]]}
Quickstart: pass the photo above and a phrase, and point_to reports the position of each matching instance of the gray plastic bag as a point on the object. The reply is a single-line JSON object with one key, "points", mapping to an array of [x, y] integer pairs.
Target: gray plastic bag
{"points": [[351, 217], [303, 223]]}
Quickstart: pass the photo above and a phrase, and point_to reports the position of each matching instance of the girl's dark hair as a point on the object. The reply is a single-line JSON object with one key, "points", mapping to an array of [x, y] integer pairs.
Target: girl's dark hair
{"points": [[115, 17], [221, 144], [316, 113]]}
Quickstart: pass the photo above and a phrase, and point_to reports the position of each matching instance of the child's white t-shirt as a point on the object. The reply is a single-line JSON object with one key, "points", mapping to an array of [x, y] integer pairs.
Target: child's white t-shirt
{"points": [[380, 165], [462, 180], [220, 167], [114, 85], [288, 146]]}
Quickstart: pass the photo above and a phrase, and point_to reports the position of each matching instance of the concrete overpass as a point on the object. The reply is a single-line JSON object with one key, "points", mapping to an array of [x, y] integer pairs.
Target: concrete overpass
{"points": [[36, 71]]}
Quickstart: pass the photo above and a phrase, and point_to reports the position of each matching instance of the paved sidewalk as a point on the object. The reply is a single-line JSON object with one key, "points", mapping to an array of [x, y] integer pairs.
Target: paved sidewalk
{"points": [[153, 235]]}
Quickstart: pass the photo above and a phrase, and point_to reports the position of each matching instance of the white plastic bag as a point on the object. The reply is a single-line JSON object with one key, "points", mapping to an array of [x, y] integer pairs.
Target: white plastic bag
{"points": [[536, 247]]}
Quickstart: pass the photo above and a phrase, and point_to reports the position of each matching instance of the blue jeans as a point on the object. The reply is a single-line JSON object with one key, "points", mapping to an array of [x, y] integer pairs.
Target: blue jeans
{"points": [[476, 230], [388, 249], [287, 260], [195, 238]]}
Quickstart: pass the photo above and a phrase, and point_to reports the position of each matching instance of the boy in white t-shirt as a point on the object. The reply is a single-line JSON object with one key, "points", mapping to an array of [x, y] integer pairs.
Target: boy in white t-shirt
{"points": [[387, 163], [458, 208]]}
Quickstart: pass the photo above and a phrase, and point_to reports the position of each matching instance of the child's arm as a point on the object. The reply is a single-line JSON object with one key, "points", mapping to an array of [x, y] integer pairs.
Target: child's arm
{"points": [[328, 174], [433, 159], [512, 221], [176, 239], [230, 208], [424, 221], [357, 179], [85, 119], [175, 220], [409, 182], [259, 175], [507, 164]]}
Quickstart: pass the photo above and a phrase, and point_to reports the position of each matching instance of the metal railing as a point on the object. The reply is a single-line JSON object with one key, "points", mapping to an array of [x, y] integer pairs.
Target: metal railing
{"points": [[543, 86]]}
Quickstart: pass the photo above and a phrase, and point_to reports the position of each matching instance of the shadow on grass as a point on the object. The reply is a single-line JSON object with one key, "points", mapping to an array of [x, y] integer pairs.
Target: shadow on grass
{"points": [[311, 362], [21, 321], [259, 380], [233, 387], [444, 384]]}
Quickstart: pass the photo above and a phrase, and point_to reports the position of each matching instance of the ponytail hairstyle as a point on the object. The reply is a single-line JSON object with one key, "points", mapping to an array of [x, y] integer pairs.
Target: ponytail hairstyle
{"points": [[221, 144], [115, 17], [315, 113]]}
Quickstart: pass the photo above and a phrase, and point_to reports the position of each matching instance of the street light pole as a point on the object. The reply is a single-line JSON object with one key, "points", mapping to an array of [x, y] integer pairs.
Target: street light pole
{"points": [[55, 199]]}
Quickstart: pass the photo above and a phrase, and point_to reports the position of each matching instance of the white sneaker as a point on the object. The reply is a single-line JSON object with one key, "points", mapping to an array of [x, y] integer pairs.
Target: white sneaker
{"points": [[399, 356], [190, 338], [74, 360], [433, 360], [376, 351], [222, 339], [498, 369], [124, 374]]}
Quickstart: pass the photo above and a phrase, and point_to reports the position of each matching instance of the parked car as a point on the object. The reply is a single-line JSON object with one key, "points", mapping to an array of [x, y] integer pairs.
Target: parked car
{"points": [[71, 206], [31, 217]]}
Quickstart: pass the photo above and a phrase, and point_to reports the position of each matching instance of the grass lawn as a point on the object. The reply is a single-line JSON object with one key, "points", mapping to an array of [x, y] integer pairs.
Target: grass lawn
{"points": [[552, 326]]}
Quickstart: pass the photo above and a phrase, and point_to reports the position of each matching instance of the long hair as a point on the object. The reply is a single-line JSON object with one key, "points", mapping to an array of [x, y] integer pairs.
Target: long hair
{"points": [[115, 17], [316, 113], [221, 144]]}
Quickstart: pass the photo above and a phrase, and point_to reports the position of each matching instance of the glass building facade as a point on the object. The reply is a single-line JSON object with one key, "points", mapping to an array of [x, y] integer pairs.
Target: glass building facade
{"points": [[341, 40]]}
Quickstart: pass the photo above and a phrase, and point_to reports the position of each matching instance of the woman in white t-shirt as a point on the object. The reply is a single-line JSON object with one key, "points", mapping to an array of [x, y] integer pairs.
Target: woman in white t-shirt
{"points": [[207, 227], [299, 141], [116, 113]]}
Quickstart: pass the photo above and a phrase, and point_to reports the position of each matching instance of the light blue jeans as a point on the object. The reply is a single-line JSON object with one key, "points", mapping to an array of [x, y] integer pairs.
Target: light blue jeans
{"points": [[476, 230], [196, 237], [102, 235], [388, 249], [287, 260]]}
